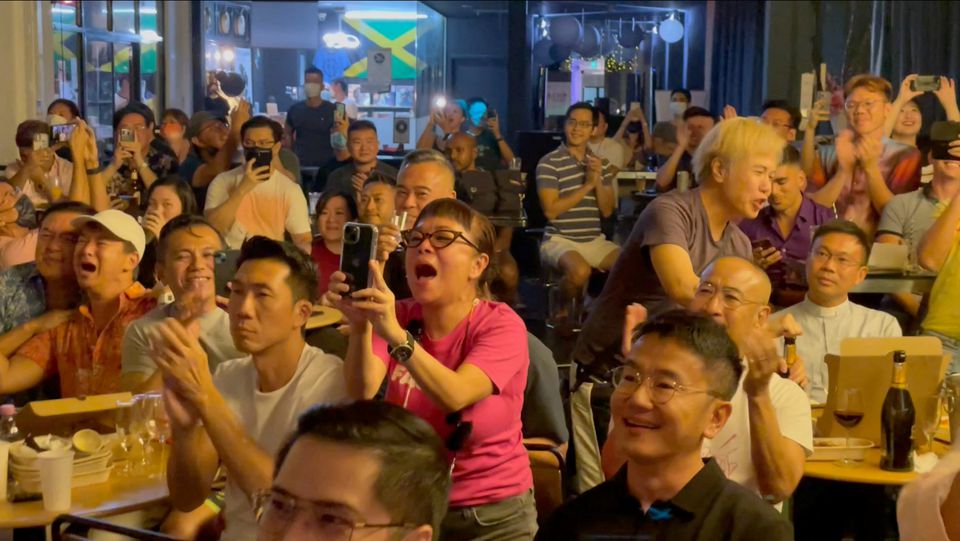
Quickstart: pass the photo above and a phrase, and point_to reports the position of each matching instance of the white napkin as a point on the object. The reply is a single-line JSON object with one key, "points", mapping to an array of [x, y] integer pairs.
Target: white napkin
{"points": [[922, 463]]}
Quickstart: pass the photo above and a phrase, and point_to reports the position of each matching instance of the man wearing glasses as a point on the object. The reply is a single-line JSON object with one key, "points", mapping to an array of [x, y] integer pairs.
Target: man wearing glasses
{"points": [[255, 199], [673, 392], [576, 190], [369, 470], [873, 168], [837, 262]]}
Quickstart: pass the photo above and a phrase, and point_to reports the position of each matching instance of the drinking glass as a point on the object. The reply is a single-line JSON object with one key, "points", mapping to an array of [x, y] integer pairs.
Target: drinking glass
{"points": [[124, 424], [930, 411], [146, 427], [515, 164], [848, 413]]}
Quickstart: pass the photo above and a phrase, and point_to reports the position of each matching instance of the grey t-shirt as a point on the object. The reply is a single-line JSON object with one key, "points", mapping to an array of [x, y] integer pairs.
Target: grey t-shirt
{"points": [[215, 338], [672, 218], [909, 216]]}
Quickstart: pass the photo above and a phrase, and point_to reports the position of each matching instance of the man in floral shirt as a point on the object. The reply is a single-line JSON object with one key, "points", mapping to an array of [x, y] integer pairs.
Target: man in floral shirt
{"points": [[85, 349], [137, 150]]}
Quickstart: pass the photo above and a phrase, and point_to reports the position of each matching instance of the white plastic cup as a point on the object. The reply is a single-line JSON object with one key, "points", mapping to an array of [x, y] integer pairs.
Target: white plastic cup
{"points": [[4, 456], [56, 479], [683, 181]]}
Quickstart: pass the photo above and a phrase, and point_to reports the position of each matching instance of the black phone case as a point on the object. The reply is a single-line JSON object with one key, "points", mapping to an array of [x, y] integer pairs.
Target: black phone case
{"points": [[942, 133], [358, 250], [262, 158]]}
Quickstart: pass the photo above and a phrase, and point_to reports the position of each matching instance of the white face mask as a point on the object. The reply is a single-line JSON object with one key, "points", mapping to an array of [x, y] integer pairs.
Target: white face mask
{"points": [[56, 120], [327, 95], [678, 107], [312, 90]]}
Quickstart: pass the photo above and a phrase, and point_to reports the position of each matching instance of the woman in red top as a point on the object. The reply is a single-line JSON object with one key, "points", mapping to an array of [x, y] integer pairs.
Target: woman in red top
{"points": [[456, 359], [333, 210]]}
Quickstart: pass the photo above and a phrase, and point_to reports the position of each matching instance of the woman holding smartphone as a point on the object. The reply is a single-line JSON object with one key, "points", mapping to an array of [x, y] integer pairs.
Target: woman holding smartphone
{"points": [[456, 359], [333, 210]]}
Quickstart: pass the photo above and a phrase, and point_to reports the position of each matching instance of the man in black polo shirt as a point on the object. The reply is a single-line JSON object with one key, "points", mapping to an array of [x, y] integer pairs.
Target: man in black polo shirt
{"points": [[673, 392]]}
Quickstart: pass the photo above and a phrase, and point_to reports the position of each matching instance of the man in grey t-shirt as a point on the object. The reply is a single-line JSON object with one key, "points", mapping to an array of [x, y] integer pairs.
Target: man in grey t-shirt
{"points": [[679, 234], [185, 263]]}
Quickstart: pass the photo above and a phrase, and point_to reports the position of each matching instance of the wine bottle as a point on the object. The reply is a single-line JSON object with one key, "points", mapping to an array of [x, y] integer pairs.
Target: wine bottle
{"points": [[789, 354], [896, 420]]}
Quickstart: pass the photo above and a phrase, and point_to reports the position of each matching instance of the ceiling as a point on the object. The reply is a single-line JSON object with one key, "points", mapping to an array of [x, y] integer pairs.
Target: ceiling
{"points": [[463, 9]]}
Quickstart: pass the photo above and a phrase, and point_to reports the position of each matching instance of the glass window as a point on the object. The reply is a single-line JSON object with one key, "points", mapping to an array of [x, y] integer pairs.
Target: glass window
{"points": [[148, 16], [124, 18], [94, 14], [64, 13], [66, 62]]}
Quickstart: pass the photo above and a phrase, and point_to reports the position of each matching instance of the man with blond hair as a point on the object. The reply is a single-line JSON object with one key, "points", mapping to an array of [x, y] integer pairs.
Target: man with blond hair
{"points": [[679, 234], [873, 168]]}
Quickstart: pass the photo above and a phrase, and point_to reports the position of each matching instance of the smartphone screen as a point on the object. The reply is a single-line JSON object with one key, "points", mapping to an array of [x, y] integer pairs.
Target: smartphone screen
{"points": [[341, 111], [359, 248], [761, 245], [62, 133], [262, 158], [127, 135]]}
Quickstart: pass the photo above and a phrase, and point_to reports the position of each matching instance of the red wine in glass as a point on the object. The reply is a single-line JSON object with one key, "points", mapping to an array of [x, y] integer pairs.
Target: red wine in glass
{"points": [[847, 418]]}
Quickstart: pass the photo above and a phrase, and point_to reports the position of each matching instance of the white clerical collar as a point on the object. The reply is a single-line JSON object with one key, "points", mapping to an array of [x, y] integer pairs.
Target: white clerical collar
{"points": [[824, 311]]}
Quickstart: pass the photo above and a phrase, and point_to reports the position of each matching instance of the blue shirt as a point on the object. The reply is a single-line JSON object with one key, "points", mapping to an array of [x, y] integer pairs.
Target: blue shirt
{"points": [[22, 296]]}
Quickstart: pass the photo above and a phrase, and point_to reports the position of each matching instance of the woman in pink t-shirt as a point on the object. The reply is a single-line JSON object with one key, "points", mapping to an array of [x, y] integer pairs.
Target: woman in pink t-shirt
{"points": [[456, 359], [333, 210]]}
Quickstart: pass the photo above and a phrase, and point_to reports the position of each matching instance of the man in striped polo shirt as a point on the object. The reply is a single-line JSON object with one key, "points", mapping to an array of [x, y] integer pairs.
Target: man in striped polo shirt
{"points": [[576, 190]]}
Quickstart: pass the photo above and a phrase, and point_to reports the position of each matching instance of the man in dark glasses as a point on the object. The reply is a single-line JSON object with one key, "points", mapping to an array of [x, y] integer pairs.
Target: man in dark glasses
{"points": [[369, 470]]}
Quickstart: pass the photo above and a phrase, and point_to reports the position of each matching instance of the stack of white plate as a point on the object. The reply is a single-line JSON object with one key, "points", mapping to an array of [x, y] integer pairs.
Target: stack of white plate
{"points": [[88, 469]]}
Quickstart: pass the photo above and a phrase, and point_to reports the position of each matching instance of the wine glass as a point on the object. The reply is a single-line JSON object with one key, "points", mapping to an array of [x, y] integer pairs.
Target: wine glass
{"points": [[124, 424], [929, 417], [146, 426], [848, 414]]}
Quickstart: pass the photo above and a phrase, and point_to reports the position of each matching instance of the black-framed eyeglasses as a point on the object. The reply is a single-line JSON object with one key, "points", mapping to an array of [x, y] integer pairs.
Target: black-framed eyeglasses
{"points": [[661, 387], [276, 510], [439, 239]]}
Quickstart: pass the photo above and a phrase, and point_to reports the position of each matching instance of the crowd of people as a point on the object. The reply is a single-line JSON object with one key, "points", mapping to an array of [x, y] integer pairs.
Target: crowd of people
{"points": [[408, 421]]}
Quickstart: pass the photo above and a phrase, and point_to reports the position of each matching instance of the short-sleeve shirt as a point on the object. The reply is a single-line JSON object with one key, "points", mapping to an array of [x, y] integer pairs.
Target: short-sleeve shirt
{"points": [[136, 354], [493, 464], [900, 167], [269, 417], [341, 179], [17, 251], [88, 362], [489, 157], [311, 129], [796, 245], [677, 218], [559, 170], [276, 205], [22, 296], [709, 507], [942, 315], [326, 261], [731, 446], [910, 215], [161, 160]]}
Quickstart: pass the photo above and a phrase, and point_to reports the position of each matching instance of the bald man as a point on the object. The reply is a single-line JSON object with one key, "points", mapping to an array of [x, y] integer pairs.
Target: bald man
{"points": [[769, 434], [462, 150]]}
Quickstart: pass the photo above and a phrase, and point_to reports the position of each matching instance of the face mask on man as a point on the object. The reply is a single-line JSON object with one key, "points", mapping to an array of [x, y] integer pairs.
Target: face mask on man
{"points": [[312, 90], [678, 107], [327, 95]]}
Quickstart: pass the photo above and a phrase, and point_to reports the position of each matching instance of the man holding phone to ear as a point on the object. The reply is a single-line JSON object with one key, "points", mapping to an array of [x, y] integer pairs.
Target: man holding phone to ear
{"points": [[255, 198]]}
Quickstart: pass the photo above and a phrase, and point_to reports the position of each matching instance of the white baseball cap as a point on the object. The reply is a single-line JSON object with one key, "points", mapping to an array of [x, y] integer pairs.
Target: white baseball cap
{"points": [[120, 224]]}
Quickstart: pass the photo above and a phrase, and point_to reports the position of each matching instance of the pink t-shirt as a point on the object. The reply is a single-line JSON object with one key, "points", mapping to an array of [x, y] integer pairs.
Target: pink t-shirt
{"points": [[493, 465]]}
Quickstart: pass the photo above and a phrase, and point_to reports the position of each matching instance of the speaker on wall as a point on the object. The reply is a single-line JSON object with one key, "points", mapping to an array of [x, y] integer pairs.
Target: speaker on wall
{"points": [[401, 129]]}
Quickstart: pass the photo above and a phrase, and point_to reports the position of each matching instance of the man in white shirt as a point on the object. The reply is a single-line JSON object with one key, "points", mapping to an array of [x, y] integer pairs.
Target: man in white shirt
{"points": [[39, 173], [185, 263], [243, 413], [769, 434], [837, 263], [248, 201], [607, 148]]}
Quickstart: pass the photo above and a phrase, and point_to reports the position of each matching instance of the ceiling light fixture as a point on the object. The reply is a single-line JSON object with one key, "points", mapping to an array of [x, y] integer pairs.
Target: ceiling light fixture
{"points": [[671, 29]]}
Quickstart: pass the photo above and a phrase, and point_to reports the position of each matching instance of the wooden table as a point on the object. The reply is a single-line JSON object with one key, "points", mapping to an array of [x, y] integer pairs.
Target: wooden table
{"points": [[866, 472], [323, 316], [116, 496], [896, 282]]}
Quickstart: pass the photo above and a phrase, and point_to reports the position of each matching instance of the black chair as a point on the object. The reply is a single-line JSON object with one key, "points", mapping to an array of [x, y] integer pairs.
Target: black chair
{"points": [[74, 528]]}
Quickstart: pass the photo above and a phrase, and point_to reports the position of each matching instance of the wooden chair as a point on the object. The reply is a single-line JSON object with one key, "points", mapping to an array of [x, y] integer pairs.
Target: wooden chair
{"points": [[547, 463], [74, 528]]}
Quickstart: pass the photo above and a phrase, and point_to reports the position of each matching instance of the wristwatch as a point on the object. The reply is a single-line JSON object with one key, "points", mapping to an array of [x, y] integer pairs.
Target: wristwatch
{"points": [[402, 351]]}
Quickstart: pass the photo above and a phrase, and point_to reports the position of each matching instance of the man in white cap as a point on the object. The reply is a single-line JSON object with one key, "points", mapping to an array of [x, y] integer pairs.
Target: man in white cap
{"points": [[85, 350]]}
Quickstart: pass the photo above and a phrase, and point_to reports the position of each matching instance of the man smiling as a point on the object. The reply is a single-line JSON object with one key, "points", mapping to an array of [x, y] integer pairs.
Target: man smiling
{"points": [[673, 392], [85, 350]]}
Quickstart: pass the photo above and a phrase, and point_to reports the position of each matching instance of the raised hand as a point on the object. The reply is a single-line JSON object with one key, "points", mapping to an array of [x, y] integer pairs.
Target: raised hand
{"points": [[759, 349], [183, 362], [765, 258], [729, 112], [868, 152], [378, 305], [239, 115], [947, 94], [683, 136], [153, 223], [493, 124], [907, 93], [846, 150], [388, 240]]}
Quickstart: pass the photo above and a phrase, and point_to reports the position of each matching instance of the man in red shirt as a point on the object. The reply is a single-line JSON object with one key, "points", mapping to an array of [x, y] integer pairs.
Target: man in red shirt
{"points": [[85, 350]]}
